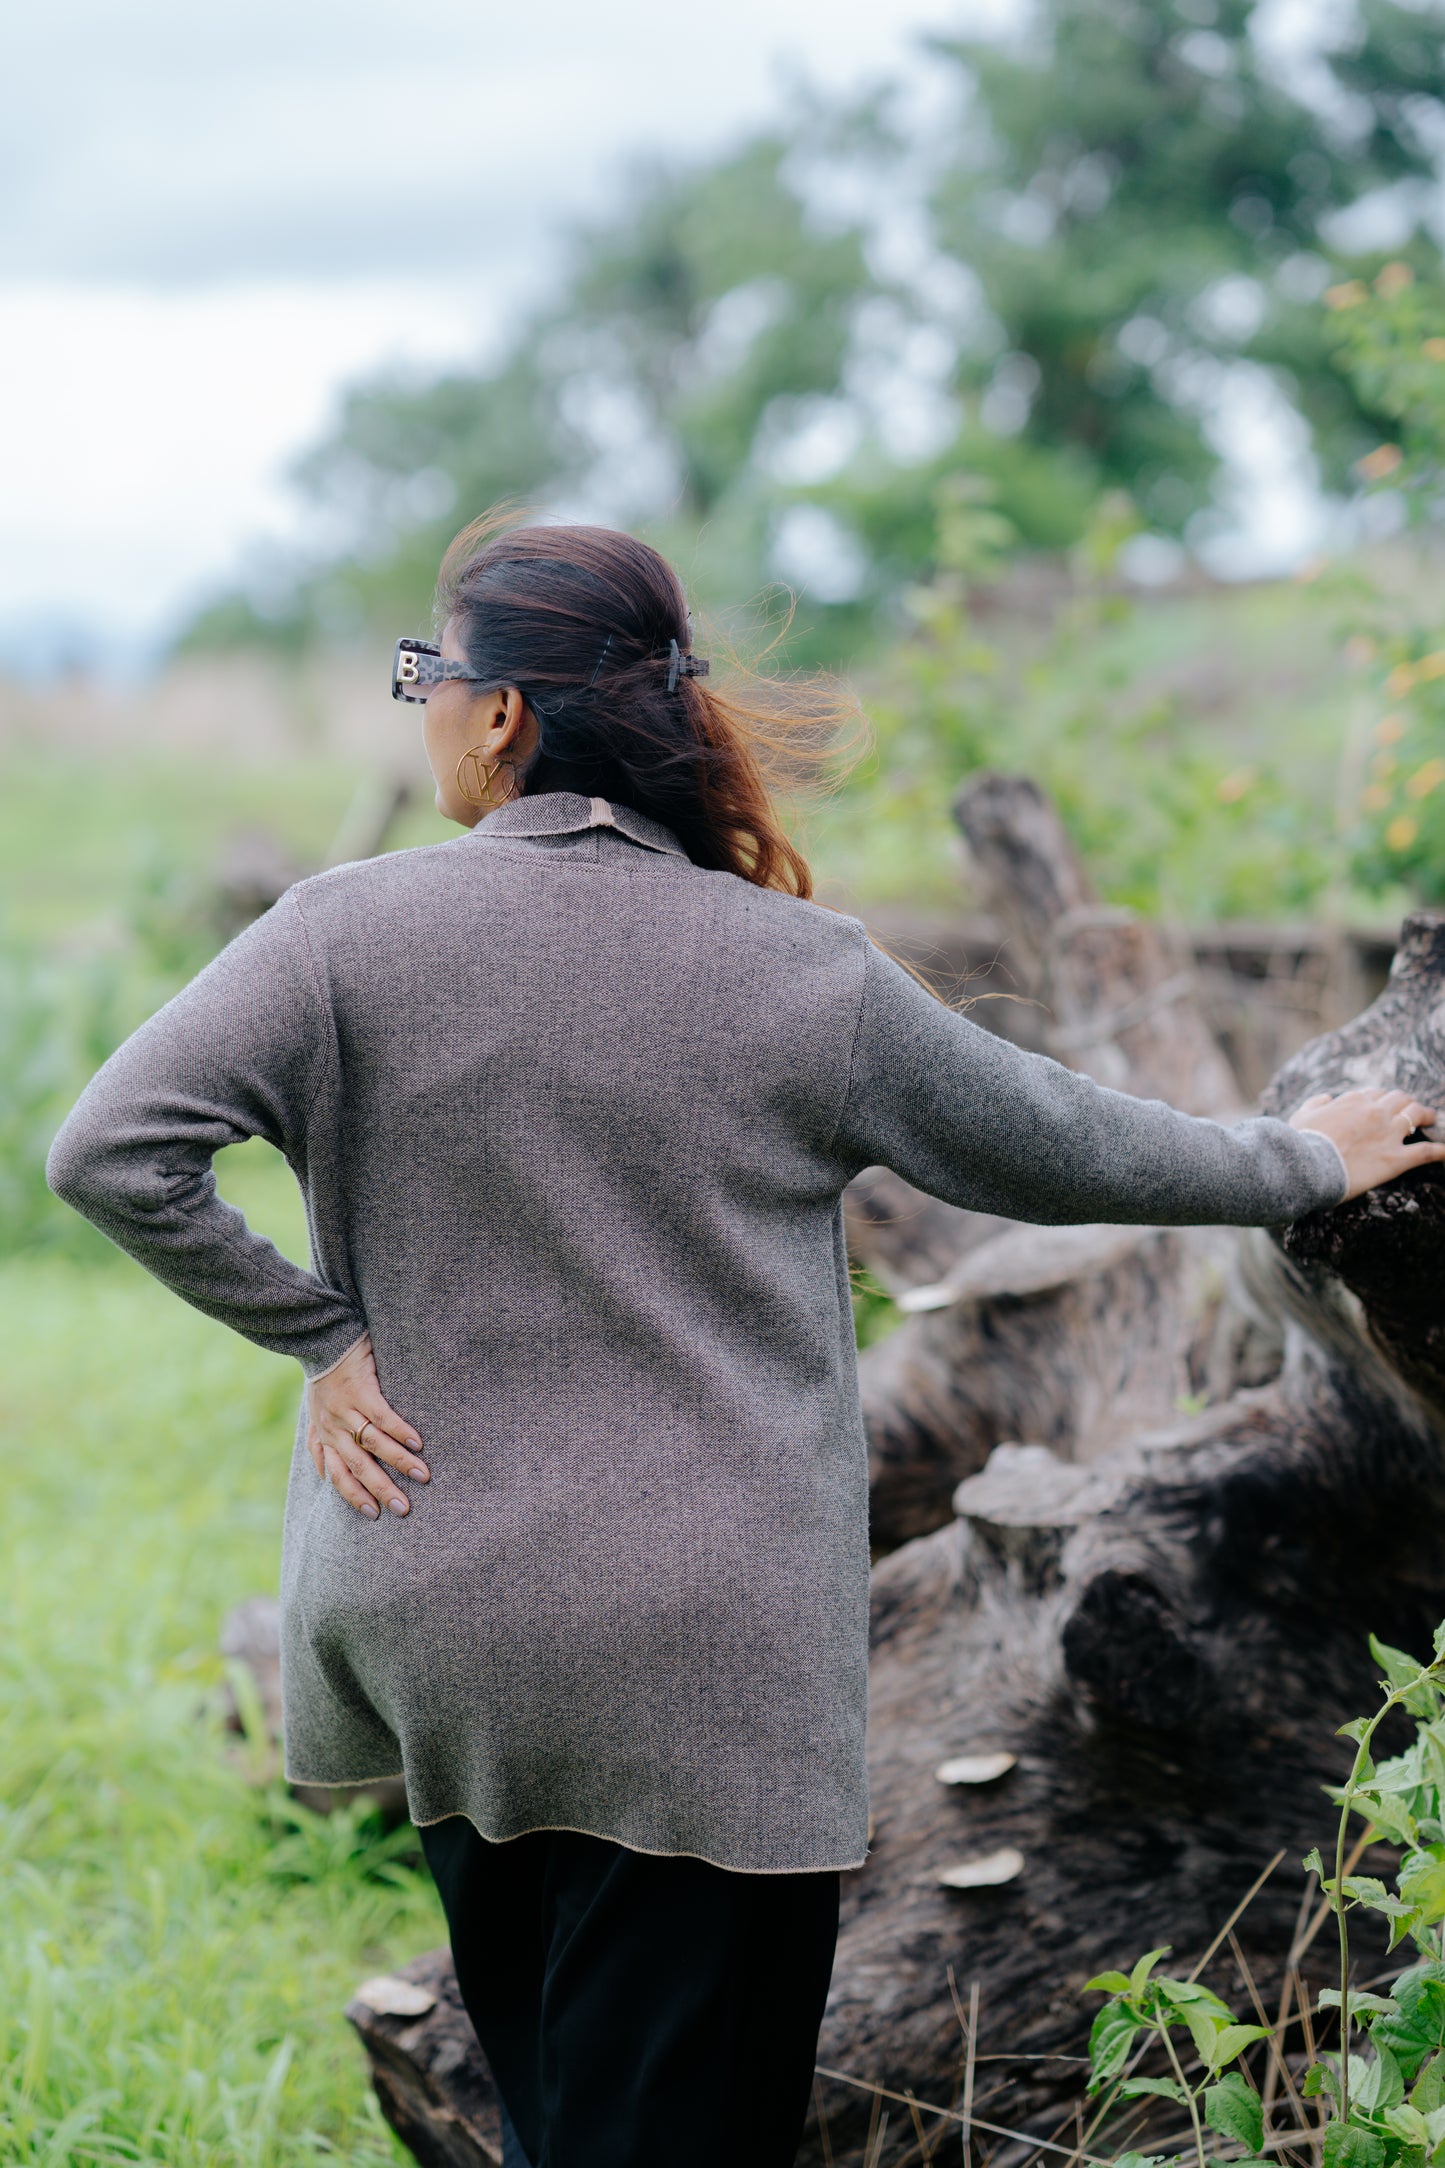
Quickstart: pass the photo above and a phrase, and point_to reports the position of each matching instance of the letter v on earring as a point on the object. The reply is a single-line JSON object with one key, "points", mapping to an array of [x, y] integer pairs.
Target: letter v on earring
{"points": [[484, 774]]}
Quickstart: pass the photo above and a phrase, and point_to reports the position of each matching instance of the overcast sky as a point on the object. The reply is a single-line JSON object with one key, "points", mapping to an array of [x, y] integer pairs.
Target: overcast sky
{"points": [[215, 218]]}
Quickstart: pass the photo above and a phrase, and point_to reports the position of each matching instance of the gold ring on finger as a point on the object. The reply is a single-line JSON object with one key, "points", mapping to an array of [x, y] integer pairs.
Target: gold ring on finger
{"points": [[358, 1435]]}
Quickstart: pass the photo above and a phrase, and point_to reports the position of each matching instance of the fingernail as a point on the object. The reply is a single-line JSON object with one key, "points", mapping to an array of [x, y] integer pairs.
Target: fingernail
{"points": [[372, 1512], [398, 1505], [423, 1475]]}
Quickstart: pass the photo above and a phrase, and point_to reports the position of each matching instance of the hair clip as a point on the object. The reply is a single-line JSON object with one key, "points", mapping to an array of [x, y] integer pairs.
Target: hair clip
{"points": [[600, 660], [680, 665]]}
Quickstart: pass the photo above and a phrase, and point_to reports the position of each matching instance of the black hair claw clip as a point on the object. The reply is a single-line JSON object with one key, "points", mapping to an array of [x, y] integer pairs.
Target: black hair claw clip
{"points": [[680, 665]]}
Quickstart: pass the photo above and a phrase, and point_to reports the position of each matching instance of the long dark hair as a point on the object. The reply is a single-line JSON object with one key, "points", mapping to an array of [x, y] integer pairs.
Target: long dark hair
{"points": [[582, 620]]}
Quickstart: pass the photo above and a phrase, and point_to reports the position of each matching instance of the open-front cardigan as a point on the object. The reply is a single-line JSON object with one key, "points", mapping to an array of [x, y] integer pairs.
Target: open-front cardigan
{"points": [[573, 1118]]}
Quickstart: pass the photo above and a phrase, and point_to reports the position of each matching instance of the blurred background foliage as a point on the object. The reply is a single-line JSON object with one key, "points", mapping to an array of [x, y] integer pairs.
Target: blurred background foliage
{"points": [[771, 364]]}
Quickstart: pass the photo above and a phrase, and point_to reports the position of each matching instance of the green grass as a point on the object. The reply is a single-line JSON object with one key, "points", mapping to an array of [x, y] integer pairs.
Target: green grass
{"points": [[77, 835], [176, 1942]]}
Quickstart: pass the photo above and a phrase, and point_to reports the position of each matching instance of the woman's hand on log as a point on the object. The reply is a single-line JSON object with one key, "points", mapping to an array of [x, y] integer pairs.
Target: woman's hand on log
{"points": [[1369, 1129], [354, 1435]]}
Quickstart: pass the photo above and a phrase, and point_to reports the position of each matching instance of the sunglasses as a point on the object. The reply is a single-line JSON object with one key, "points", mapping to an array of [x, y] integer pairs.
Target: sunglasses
{"points": [[417, 665]]}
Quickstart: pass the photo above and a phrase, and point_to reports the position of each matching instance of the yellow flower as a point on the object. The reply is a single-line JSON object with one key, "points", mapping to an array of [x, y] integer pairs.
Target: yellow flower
{"points": [[1390, 729], [1434, 349], [1348, 296], [1393, 280], [1401, 832], [1430, 666], [1375, 465], [1426, 779], [1376, 798], [1232, 787], [1401, 680]]}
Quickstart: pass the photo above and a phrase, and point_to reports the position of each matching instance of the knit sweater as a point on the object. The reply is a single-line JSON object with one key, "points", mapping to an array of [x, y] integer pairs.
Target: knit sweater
{"points": [[573, 1118]]}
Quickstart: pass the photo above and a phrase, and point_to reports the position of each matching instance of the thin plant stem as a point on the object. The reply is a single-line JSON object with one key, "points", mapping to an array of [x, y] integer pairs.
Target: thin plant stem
{"points": [[1169, 2049], [1276, 2058], [951, 2115], [824, 2137], [876, 2111], [1238, 1913], [1277, 2064], [923, 2145], [968, 2072], [1307, 2023], [1362, 1756]]}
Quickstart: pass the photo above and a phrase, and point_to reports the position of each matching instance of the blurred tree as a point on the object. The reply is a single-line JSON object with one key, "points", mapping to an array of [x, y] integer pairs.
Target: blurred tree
{"points": [[1149, 204], [1132, 201]]}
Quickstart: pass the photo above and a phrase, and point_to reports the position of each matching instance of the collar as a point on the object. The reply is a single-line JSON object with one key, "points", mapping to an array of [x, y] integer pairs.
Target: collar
{"points": [[566, 813]]}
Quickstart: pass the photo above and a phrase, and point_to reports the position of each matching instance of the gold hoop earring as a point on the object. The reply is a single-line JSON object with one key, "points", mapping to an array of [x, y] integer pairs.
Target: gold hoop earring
{"points": [[484, 775]]}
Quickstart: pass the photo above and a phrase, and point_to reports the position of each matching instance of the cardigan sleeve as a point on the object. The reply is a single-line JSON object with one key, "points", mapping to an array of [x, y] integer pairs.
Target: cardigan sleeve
{"points": [[238, 1053], [971, 1118]]}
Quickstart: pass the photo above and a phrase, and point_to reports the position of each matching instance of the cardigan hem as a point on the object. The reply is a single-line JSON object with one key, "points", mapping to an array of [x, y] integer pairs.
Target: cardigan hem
{"points": [[573, 1829]]}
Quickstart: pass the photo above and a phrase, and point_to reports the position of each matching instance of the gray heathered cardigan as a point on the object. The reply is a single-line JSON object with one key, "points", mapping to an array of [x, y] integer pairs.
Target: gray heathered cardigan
{"points": [[572, 1119]]}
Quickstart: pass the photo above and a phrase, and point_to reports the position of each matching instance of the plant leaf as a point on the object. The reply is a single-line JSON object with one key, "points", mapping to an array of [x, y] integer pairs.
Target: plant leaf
{"points": [[1165, 2088], [1379, 2086], [1232, 2040], [1110, 2039], [1405, 1676], [1428, 2092], [1408, 2125], [1362, 2004], [1107, 1983], [1422, 1884], [1182, 1992], [1204, 2030], [1235, 2110], [1145, 1966], [1391, 1816], [1347, 2146]]}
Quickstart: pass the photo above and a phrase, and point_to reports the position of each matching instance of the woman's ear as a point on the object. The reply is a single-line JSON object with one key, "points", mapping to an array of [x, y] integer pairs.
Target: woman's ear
{"points": [[510, 716], [513, 726]]}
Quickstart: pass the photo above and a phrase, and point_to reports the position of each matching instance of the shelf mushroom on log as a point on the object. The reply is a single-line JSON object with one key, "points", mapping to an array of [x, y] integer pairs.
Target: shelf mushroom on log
{"points": [[1107, 1674]]}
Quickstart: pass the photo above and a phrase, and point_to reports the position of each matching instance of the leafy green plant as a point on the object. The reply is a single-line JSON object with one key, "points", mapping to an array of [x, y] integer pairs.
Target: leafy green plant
{"points": [[1385, 2104], [1146, 2008]]}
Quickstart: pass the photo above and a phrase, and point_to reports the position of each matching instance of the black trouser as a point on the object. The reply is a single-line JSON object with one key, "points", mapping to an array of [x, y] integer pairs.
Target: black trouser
{"points": [[638, 2012]]}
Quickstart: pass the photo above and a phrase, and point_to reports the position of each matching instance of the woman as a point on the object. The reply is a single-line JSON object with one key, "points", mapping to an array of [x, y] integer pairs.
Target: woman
{"points": [[573, 1099]]}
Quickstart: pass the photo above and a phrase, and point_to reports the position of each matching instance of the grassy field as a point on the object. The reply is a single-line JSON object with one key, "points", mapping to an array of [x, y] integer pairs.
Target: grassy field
{"points": [[176, 1942]]}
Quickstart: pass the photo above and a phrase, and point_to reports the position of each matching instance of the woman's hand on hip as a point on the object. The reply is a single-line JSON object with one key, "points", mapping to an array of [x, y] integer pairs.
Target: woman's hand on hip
{"points": [[354, 1435], [1369, 1129]]}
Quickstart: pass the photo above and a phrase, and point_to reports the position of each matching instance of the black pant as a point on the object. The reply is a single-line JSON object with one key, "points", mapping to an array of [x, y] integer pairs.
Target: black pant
{"points": [[638, 2012]]}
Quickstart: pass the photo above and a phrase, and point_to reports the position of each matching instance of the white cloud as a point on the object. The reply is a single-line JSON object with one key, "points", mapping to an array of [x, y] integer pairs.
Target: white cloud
{"points": [[143, 436], [206, 218]]}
